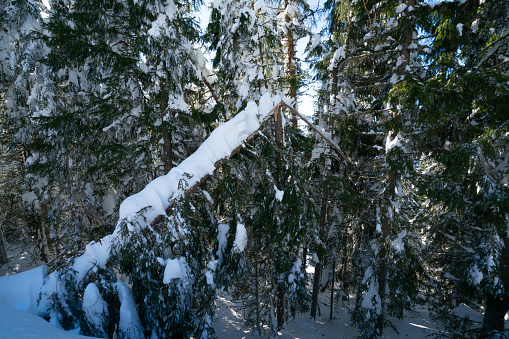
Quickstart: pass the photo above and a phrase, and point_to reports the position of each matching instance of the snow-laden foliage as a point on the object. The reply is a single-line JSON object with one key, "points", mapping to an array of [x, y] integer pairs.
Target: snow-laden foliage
{"points": [[401, 196]]}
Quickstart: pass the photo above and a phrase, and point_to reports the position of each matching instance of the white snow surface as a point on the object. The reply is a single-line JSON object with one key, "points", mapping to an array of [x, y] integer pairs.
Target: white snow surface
{"points": [[393, 143], [222, 240], [94, 305], [398, 243], [15, 324], [240, 238], [21, 291], [175, 269], [401, 8], [463, 311], [475, 275], [129, 320], [227, 323], [279, 194]]}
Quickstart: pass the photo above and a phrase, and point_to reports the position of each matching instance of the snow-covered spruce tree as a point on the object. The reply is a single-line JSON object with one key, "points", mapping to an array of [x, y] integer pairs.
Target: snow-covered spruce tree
{"points": [[464, 147], [335, 102], [109, 113], [171, 270], [250, 54], [20, 71], [248, 59], [374, 49]]}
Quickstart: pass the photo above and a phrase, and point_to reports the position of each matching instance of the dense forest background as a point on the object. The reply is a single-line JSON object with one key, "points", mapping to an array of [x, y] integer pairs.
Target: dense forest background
{"points": [[395, 190]]}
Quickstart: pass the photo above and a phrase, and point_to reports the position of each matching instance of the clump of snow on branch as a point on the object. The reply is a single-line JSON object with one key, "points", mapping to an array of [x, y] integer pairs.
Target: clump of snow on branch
{"points": [[279, 194], [221, 240], [398, 244], [94, 306], [240, 242], [175, 269]]}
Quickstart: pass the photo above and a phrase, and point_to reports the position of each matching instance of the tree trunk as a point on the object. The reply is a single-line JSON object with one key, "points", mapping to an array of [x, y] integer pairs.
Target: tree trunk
{"points": [[318, 266], [280, 306], [3, 251], [496, 308], [258, 302], [332, 289], [167, 142], [316, 288], [280, 309], [386, 229], [391, 180], [304, 256], [40, 234], [292, 79]]}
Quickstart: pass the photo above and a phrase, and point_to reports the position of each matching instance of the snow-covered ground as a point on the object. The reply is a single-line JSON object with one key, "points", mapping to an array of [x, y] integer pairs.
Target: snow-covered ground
{"points": [[16, 324], [416, 325]]}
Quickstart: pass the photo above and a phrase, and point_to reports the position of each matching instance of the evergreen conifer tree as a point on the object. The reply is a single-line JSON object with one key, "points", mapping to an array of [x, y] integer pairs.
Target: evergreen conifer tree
{"points": [[461, 117]]}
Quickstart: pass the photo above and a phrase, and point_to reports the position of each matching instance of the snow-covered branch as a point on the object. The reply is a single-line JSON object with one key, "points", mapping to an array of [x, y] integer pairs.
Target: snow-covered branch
{"points": [[322, 133]]}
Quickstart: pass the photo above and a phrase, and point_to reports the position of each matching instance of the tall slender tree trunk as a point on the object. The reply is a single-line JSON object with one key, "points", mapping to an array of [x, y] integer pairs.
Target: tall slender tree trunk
{"points": [[304, 256], [319, 265], [280, 297], [316, 287], [386, 229], [258, 302], [332, 289], [292, 79], [42, 240]]}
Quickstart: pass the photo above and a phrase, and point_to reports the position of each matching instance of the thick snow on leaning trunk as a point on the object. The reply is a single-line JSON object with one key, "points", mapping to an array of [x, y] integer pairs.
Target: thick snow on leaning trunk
{"points": [[22, 291], [158, 194]]}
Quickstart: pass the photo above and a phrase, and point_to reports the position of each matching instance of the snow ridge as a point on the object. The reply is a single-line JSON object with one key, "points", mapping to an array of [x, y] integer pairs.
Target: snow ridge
{"points": [[156, 196]]}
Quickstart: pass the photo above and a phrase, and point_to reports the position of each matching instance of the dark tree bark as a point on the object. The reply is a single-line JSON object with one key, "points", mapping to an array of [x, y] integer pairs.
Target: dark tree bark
{"points": [[319, 265], [316, 288], [167, 142], [497, 308], [3, 251]]}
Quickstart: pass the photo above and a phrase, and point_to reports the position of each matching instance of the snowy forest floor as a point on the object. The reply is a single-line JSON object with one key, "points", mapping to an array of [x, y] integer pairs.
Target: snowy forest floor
{"points": [[21, 258], [227, 321], [416, 324]]}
